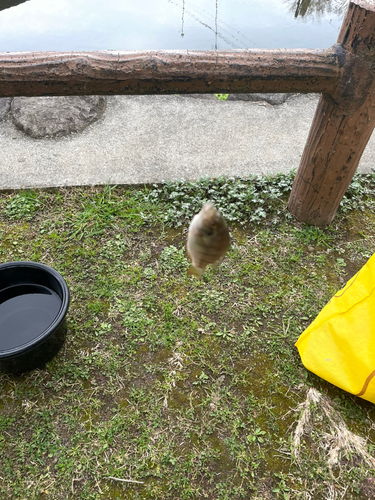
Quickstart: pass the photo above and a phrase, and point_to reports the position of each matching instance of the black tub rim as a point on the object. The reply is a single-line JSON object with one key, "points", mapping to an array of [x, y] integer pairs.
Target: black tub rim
{"points": [[60, 316]]}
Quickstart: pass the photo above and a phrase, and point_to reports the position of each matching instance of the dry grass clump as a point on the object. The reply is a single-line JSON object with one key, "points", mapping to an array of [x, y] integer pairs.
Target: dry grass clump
{"points": [[339, 443]]}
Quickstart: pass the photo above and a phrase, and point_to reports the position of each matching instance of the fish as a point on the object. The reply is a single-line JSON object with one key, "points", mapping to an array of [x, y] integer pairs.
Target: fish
{"points": [[208, 240]]}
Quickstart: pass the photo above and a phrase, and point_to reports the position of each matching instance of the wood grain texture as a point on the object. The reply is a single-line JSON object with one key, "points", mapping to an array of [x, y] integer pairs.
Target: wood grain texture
{"points": [[168, 72], [342, 125]]}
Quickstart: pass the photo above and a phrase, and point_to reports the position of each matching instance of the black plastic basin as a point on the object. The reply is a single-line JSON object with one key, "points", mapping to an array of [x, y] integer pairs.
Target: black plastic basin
{"points": [[34, 301]]}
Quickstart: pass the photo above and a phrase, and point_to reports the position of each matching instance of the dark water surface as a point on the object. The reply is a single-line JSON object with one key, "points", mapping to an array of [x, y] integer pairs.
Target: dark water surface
{"points": [[71, 25], [25, 312]]}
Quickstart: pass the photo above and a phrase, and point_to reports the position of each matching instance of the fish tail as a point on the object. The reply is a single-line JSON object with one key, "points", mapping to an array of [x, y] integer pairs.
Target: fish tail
{"points": [[216, 264], [195, 271]]}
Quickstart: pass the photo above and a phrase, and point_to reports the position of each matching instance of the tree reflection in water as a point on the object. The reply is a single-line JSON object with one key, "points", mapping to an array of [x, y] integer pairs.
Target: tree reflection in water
{"points": [[317, 8], [6, 4]]}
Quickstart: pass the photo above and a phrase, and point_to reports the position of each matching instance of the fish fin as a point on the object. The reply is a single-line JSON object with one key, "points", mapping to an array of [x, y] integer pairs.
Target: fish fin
{"points": [[195, 271]]}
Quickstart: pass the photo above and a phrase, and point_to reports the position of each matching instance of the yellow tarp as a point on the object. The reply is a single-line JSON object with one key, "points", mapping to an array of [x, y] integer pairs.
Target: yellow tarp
{"points": [[339, 346]]}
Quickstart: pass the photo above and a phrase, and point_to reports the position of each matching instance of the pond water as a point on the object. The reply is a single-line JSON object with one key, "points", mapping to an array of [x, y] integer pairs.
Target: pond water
{"points": [[71, 25]]}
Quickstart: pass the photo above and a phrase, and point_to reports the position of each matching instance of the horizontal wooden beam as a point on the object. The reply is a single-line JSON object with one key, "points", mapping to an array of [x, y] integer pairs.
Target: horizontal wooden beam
{"points": [[170, 72]]}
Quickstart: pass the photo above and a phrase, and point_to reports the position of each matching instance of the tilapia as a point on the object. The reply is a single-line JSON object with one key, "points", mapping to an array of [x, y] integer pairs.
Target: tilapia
{"points": [[208, 240]]}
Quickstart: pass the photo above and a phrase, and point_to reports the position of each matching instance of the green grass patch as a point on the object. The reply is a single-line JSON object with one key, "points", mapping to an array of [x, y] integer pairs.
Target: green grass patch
{"points": [[169, 387]]}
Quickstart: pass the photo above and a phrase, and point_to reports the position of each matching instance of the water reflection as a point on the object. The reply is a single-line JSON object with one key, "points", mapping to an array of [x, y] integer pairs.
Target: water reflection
{"points": [[77, 25], [317, 8], [231, 37], [6, 4], [216, 7], [183, 18]]}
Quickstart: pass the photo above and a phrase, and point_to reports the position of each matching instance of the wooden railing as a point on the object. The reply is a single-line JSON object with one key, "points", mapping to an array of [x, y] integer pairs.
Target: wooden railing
{"points": [[343, 74]]}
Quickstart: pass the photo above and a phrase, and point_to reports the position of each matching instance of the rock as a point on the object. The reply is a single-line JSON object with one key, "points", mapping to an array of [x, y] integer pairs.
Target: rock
{"points": [[270, 98], [4, 106], [56, 116]]}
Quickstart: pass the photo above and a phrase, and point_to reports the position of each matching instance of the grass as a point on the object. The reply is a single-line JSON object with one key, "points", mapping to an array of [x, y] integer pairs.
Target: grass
{"points": [[170, 387]]}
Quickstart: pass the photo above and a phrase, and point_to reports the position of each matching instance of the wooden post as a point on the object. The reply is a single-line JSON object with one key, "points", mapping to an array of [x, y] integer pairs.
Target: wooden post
{"points": [[342, 125]]}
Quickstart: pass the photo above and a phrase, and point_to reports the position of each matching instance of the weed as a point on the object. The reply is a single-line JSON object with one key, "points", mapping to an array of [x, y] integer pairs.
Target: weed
{"points": [[359, 194], [313, 235], [244, 200], [202, 379], [23, 205], [257, 436], [97, 213], [222, 97], [134, 318], [282, 489], [238, 199], [115, 247], [100, 208], [226, 335], [171, 260]]}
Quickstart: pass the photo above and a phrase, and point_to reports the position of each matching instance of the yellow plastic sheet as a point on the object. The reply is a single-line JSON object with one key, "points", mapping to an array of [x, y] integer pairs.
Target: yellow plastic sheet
{"points": [[339, 346]]}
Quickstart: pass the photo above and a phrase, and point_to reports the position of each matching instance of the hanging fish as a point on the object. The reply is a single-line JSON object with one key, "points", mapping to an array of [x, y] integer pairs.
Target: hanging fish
{"points": [[208, 240]]}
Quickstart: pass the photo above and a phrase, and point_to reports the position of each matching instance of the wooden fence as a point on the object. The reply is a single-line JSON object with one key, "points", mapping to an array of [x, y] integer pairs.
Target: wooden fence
{"points": [[344, 74]]}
